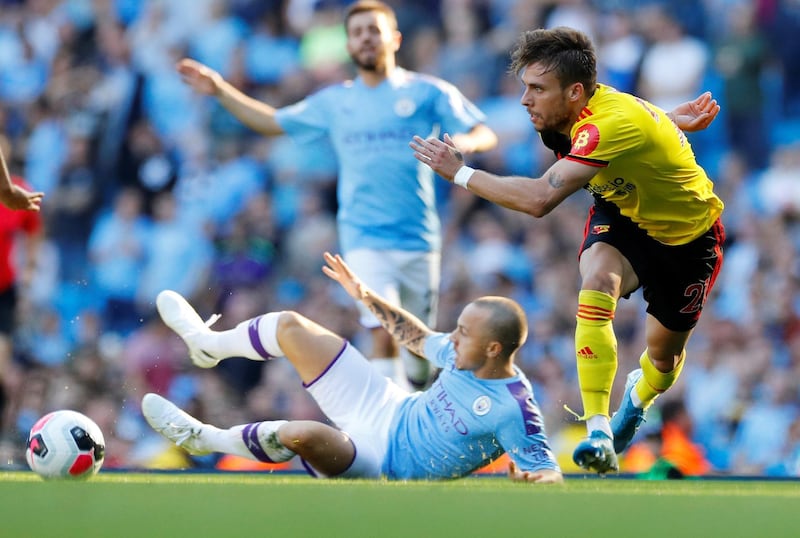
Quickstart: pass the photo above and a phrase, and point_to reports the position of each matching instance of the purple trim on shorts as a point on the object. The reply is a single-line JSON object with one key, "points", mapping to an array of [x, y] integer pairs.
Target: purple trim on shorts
{"points": [[255, 340], [250, 438], [336, 358], [310, 470], [355, 453]]}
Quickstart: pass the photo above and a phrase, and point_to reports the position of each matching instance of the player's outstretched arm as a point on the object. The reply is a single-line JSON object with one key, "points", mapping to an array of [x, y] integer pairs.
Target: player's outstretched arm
{"points": [[695, 115], [256, 115], [339, 271], [536, 197], [542, 476], [406, 329]]}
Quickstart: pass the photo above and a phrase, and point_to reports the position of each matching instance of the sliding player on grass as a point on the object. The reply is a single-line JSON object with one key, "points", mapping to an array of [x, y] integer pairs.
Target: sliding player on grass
{"points": [[479, 407]]}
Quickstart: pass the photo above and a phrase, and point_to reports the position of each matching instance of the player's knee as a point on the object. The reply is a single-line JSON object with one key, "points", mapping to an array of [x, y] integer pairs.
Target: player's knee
{"points": [[294, 435], [308, 437], [605, 282], [665, 349], [292, 323]]}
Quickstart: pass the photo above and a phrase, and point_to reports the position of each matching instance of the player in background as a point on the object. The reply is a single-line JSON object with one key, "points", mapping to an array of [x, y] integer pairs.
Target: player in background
{"points": [[388, 226], [21, 234], [655, 222], [480, 406]]}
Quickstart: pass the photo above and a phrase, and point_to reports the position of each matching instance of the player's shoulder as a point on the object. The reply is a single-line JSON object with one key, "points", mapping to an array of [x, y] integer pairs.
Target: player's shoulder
{"points": [[421, 80], [611, 101], [608, 101], [335, 88], [515, 388], [333, 91], [611, 110]]}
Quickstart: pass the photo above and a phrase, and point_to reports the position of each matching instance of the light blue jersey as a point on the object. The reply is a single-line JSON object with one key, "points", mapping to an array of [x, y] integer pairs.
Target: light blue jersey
{"points": [[462, 423], [386, 197]]}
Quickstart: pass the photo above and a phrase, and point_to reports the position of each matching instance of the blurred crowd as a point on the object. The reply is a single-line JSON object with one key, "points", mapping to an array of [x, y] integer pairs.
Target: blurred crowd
{"points": [[149, 187]]}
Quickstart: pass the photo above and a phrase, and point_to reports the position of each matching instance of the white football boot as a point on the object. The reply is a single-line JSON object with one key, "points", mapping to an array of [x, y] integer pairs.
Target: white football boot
{"points": [[179, 316], [173, 423]]}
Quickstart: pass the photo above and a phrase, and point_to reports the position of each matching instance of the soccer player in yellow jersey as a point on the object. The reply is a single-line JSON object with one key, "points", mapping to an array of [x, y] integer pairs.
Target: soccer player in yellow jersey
{"points": [[655, 223]]}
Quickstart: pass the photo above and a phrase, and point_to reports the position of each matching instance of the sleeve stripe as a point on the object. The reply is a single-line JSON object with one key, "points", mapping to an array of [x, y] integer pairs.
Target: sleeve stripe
{"points": [[583, 160]]}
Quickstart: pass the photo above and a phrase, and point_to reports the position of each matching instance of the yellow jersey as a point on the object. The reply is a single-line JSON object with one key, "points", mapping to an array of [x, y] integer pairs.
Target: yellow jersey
{"points": [[646, 166]]}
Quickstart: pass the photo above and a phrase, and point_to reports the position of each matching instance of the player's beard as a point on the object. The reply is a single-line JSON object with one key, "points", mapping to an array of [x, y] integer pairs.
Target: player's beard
{"points": [[374, 64], [558, 122]]}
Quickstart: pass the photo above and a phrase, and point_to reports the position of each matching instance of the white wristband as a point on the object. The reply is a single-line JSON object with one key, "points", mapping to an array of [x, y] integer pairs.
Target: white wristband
{"points": [[462, 176]]}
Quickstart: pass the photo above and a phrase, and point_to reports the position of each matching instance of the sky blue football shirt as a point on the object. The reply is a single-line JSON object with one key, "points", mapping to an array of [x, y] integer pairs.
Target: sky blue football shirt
{"points": [[386, 197], [462, 423]]}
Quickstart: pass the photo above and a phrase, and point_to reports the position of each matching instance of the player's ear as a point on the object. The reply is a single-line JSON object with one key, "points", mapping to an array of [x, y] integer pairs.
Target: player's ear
{"points": [[576, 91]]}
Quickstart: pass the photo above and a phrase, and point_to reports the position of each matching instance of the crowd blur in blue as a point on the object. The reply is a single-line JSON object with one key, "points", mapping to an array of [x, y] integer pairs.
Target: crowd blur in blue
{"points": [[149, 186]]}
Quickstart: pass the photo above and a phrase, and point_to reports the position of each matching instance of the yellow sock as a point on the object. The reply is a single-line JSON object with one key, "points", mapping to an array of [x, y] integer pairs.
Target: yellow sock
{"points": [[595, 350], [653, 382]]}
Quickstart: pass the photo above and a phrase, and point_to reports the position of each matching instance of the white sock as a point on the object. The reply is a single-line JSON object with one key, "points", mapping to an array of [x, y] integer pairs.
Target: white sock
{"points": [[257, 441], [599, 422], [255, 339]]}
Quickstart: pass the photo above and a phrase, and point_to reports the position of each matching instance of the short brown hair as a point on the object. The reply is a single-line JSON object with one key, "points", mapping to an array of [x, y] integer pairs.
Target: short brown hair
{"points": [[567, 52], [362, 6], [508, 324]]}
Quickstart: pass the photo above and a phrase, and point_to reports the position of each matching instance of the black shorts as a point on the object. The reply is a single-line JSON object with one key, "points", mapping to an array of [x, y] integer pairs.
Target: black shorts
{"points": [[675, 280], [8, 306]]}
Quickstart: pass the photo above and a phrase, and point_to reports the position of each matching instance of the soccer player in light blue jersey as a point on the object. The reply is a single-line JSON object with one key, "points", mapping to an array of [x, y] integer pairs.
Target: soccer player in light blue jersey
{"points": [[480, 406], [389, 229]]}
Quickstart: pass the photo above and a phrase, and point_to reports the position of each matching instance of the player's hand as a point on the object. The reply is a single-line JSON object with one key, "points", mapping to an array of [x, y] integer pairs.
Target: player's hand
{"points": [[543, 476], [441, 155], [20, 198], [695, 115], [339, 271], [200, 77]]}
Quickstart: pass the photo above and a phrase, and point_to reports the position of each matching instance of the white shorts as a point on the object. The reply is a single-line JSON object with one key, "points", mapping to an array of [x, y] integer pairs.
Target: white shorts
{"points": [[409, 279], [362, 403]]}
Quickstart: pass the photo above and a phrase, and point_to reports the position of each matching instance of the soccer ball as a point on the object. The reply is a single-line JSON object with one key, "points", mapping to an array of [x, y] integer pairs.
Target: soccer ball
{"points": [[65, 444]]}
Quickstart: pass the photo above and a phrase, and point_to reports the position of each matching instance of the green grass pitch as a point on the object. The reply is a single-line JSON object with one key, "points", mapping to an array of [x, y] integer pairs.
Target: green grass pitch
{"points": [[178, 505]]}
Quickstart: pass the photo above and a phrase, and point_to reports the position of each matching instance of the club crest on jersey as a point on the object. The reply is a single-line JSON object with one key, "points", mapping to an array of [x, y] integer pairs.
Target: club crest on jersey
{"points": [[404, 107], [598, 229], [585, 140], [481, 405]]}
